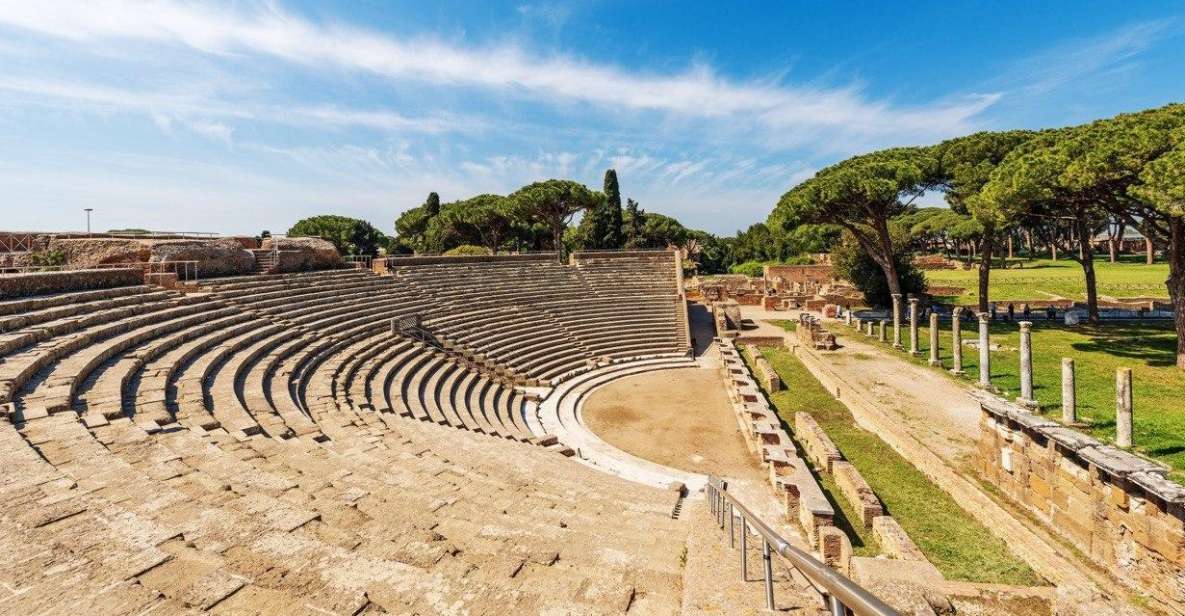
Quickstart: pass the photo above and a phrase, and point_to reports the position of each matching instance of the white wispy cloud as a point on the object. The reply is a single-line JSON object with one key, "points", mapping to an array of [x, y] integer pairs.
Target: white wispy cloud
{"points": [[699, 91], [196, 108], [1075, 61]]}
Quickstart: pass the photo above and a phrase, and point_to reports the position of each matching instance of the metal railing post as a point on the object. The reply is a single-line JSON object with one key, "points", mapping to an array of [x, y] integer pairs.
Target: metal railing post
{"points": [[841, 596], [744, 550], [731, 535], [767, 564], [836, 607]]}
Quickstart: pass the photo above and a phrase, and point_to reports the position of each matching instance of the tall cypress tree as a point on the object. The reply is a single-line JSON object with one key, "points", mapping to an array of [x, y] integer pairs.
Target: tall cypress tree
{"points": [[432, 205], [612, 234]]}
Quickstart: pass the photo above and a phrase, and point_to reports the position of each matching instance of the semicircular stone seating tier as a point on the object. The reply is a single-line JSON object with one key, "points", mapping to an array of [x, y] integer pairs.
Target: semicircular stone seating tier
{"points": [[560, 415], [270, 441]]}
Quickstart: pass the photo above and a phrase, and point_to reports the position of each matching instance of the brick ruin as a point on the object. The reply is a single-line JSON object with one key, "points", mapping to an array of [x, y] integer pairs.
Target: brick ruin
{"points": [[810, 332], [781, 287]]}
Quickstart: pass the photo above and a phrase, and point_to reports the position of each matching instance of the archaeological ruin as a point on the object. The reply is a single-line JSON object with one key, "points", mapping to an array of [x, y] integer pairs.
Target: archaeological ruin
{"points": [[240, 426]]}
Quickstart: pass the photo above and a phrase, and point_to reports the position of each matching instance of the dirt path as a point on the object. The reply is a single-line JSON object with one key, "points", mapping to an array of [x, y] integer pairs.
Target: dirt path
{"points": [[936, 409]]}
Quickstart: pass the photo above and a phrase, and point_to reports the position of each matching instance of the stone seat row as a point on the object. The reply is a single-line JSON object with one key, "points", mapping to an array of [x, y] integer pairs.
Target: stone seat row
{"points": [[201, 445], [208, 520]]}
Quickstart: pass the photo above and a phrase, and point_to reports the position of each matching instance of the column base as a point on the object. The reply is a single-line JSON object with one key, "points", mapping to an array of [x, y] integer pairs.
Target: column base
{"points": [[899, 346], [957, 372], [935, 362], [915, 353]]}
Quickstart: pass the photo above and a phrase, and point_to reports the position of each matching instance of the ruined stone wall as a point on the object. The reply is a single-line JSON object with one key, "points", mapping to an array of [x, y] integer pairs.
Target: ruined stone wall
{"points": [[1117, 508], [782, 277], [21, 285]]}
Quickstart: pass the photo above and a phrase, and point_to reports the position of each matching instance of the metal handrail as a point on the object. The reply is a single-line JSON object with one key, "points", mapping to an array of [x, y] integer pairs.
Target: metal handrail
{"points": [[843, 596]]}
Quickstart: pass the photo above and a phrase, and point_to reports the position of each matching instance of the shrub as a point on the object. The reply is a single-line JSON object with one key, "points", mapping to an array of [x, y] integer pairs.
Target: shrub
{"points": [[748, 268], [47, 258], [467, 250]]}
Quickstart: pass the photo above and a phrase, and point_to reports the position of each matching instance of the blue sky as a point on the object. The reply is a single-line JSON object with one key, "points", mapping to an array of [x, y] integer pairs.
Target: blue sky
{"points": [[243, 116]]}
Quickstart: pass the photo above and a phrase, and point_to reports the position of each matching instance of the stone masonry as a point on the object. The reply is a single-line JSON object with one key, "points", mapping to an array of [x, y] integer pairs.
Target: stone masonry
{"points": [[1117, 508]]}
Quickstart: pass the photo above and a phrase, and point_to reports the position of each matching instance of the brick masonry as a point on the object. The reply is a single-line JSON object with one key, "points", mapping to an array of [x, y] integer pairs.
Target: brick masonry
{"points": [[1117, 508], [22, 285]]}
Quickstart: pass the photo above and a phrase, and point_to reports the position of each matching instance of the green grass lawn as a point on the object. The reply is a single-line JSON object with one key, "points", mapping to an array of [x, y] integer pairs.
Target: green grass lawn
{"points": [[1043, 279], [961, 547], [1149, 349]]}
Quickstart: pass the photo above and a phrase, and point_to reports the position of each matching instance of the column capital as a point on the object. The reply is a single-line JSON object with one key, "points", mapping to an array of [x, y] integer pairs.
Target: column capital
{"points": [[984, 317], [896, 296], [956, 311], [1025, 326], [913, 300]]}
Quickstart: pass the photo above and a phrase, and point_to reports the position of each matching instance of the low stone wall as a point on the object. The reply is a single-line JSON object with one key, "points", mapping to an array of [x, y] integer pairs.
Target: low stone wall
{"points": [[818, 445], [769, 376], [38, 283], [852, 485], [1117, 508]]}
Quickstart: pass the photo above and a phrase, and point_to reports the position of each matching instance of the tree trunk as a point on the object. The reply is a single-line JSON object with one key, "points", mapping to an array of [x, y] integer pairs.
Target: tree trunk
{"points": [[1113, 246], [1086, 253], [557, 241], [1148, 250], [985, 268], [1176, 282], [1053, 251], [1010, 255]]}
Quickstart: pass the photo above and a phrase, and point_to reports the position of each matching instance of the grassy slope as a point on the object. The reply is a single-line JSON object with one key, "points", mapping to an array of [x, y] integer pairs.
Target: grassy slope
{"points": [[961, 547], [1041, 278], [1147, 348]]}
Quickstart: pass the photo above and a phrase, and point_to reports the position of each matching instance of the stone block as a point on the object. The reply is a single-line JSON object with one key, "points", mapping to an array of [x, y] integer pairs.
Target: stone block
{"points": [[835, 548], [894, 541], [857, 491], [819, 447]]}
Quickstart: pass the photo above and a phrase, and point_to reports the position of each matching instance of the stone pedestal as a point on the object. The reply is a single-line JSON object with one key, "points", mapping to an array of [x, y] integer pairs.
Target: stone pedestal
{"points": [[897, 321], [1069, 395], [985, 352], [1026, 398], [881, 332], [934, 361], [956, 348], [913, 326], [1123, 407]]}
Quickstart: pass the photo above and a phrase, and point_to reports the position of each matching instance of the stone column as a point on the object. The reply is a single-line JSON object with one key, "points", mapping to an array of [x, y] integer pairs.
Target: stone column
{"points": [[913, 326], [897, 321], [859, 324], [985, 352], [1123, 407], [848, 317], [934, 361], [1026, 366], [1069, 396], [956, 335], [881, 333]]}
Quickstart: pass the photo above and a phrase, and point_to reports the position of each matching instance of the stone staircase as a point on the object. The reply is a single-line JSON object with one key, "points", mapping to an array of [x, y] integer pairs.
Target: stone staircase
{"points": [[265, 261]]}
